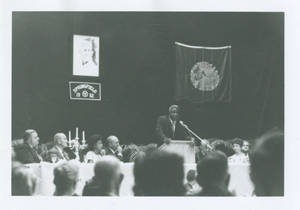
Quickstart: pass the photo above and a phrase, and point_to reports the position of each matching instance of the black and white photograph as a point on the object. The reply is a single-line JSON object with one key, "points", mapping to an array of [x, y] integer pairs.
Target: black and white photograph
{"points": [[192, 104], [160, 105], [85, 56]]}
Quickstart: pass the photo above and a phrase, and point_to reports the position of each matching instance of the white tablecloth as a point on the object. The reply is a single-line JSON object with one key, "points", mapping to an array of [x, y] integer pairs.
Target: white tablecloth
{"points": [[239, 182]]}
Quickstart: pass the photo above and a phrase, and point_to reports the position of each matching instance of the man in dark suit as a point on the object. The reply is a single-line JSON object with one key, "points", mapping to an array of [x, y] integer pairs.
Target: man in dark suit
{"points": [[168, 127], [113, 147], [27, 152]]}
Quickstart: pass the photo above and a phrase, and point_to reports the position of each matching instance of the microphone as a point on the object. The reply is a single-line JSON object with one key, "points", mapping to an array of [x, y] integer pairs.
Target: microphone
{"points": [[182, 123]]}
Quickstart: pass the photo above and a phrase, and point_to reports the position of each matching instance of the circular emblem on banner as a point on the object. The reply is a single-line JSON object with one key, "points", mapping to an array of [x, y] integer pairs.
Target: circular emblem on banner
{"points": [[204, 76], [85, 93]]}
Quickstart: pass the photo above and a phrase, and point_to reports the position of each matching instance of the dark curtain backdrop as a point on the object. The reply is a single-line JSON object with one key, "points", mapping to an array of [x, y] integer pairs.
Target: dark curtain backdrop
{"points": [[137, 72]]}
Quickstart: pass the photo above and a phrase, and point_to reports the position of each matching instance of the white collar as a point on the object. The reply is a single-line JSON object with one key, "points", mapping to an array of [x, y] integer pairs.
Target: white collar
{"points": [[112, 150], [172, 121]]}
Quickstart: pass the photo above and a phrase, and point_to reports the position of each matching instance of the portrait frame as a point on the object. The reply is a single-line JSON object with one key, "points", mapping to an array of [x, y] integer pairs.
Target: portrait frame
{"points": [[86, 50]]}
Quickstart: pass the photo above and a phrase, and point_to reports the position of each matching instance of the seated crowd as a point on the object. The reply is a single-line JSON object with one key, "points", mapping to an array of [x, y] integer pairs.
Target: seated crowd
{"points": [[156, 172]]}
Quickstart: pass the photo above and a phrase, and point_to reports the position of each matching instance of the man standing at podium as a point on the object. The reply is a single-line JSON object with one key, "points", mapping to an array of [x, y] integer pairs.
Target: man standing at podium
{"points": [[168, 127]]}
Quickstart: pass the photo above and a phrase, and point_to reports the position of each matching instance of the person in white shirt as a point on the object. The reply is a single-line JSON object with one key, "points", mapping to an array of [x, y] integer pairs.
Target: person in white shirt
{"points": [[96, 150], [239, 157], [246, 148]]}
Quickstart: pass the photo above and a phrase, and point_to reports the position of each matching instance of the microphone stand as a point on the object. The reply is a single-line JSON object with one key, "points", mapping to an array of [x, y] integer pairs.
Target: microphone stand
{"points": [[195, 135]]}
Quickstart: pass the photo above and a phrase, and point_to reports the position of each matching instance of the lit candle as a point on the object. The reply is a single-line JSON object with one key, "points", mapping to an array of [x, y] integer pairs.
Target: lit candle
{"points": [[83, 136], [70, 142], [76, 133]]}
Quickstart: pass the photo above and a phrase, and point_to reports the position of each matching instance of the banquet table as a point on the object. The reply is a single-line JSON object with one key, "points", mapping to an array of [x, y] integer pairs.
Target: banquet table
{"points": [[240, 181]]}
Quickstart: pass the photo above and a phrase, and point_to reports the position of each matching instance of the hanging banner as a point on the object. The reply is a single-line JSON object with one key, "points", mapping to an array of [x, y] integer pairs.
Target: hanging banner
{"points": [[85, 91], [203, 74]]}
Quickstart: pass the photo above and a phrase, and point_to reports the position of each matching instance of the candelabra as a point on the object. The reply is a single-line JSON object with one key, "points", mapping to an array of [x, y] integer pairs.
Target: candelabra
{"points": [[74, 144]]}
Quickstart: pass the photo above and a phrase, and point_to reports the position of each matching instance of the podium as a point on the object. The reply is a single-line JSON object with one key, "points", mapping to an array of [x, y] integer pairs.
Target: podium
{"points": [[184, 148]]}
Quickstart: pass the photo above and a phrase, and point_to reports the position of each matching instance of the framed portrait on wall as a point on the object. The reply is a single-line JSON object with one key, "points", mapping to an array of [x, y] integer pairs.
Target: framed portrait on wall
{"points": [[86, 55]]}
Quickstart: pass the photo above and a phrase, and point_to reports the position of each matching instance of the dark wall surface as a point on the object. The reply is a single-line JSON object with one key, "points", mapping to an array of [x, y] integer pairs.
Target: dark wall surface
{"points": [[137, 72]]}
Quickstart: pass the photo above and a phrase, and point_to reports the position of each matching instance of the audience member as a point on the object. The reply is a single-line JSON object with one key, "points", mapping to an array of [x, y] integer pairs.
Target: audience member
{"points": [[223, 146], [267, 164], [95, 147], [239, 157], [43, 151], [23, 181], [107, 178], [201, 149], [246, 148], [66, 178], [69, 154], [27, 152], [14, 162], [192, 187], [130, 152], [213, 175], [159, 173], [113, 147], [148, 148], [56, 153]]}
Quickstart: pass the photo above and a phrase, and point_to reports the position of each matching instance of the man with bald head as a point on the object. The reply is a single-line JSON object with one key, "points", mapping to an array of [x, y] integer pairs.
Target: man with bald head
{"points": [[168, 127], [107, 178], [60, 142], [27, 152], [113, 147]]}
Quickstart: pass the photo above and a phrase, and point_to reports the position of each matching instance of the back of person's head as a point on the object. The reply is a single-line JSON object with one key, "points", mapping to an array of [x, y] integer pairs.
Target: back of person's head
{"points": [[148, 148], [191, 175], [23, 181], [212, 170], [267, 164], [159, 173], [223, 146], [66, 177], [238, 141], [108, 175]]}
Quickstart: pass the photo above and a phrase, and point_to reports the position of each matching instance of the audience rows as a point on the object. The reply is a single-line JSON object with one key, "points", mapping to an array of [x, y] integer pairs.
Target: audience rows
{"points": [[156, 172]]}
